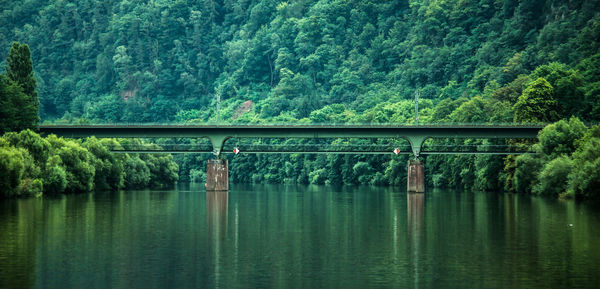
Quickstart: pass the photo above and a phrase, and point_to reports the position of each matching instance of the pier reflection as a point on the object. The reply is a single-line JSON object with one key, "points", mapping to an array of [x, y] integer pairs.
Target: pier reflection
{"points": [[216, 215], [216, 212], [415, 210]]}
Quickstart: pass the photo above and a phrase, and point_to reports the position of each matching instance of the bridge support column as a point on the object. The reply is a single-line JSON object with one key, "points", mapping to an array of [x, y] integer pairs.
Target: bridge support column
{"points": [[217, 175], [415, 181]]}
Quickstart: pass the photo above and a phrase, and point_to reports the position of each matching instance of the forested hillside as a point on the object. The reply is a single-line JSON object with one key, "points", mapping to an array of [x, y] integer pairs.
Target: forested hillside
{"points": [[157, 61], [487, 61]]}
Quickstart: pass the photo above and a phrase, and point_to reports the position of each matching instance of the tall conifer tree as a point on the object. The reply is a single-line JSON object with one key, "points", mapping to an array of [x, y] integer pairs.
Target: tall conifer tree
{"points": [[19, 69]]}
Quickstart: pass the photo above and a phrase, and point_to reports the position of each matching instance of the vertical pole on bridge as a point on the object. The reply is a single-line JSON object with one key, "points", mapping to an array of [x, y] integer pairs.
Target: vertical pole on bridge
{"points": [[415, 181], [217, 175]]}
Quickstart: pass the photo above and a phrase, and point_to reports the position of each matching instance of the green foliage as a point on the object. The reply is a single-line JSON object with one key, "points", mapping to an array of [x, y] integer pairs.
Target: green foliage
{"points": [[19, 70], [30, 187], [537, 103], [438, 181], [395, 171], [364, 171], [149, 61], [11, 170], [526, 173], [444, 108], [560, 137], [584, 178], [513, 90], [197, 176], [552, 179], [318, 176], [488, 173], [592, 102], [38, 147], [78, 163], [567, 163], [568, 87], [163, 171], [55, 176], [335, 113], [137, 174], [109, 172], [12, 100], [31, 165], [476, 110]]}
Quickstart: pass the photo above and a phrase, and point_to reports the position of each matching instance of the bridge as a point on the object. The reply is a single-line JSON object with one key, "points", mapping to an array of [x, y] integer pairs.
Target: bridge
{"points": [[219, 134]]}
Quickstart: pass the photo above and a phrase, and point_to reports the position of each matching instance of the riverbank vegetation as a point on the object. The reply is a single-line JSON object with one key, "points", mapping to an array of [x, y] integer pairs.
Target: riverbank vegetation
{"points": [[567, 163], [328, 61], [31, 165]]}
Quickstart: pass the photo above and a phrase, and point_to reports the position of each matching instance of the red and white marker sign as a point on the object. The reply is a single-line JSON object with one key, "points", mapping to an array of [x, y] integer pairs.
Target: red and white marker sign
{"points": [[236, 150], [396, 151]]}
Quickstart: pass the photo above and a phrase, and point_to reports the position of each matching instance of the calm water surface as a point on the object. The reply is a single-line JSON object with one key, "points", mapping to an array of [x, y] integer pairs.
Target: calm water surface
{"points": [[298, 237]]}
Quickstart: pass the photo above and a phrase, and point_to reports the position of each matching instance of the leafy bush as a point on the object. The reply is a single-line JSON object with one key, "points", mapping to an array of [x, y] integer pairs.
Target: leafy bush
{"points": [[11, 170], [55, 176], [584, 179], [439, 181], [560, 137], [527, 169], [553, 178], [30, 187], [78, 164], [137, 173]]}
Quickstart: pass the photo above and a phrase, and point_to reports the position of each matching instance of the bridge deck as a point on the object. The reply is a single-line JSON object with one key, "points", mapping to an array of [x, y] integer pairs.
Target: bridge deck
{"points": [[218, 134], [308, 131]]}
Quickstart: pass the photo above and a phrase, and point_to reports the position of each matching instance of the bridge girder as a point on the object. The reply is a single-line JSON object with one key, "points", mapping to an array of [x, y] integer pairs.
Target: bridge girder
{"points": [[218, 134]]}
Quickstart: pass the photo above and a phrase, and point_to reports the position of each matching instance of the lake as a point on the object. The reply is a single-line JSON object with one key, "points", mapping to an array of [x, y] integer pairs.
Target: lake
{"points": [[280, 236]]}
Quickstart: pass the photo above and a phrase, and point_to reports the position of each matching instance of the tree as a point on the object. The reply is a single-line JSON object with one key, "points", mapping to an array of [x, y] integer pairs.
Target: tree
{"points": [[38, 147], [568, 87], [55, 176], [19, 68], [442, 111], [137, 174], [560, 137], [584, 178], [11, 170], [109, 169], [537, 103], [78, 164], [11, 99], [527, 169], [552, 180]]}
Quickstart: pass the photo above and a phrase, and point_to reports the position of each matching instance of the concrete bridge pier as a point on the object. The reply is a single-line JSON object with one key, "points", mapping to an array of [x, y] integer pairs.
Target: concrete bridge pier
{"points": [[415, 181], [217, 175]]}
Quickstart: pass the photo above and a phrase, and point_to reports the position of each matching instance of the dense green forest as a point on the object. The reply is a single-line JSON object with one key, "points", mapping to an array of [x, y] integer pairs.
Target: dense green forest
{"points": [[330, 61]]}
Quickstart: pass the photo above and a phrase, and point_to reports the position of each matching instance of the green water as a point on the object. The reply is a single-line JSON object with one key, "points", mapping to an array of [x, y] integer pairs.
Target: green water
{"points": [[298, 237]]}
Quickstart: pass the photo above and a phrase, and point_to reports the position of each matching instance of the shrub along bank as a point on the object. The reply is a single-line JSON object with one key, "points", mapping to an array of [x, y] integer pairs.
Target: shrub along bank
{"points": [[31, 165], [567, 163]]}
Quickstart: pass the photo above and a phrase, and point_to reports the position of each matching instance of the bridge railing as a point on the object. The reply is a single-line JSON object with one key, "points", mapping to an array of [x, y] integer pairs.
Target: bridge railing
{"points": [[320, 148]]}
